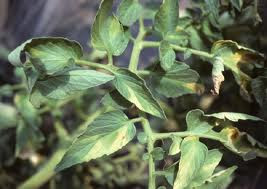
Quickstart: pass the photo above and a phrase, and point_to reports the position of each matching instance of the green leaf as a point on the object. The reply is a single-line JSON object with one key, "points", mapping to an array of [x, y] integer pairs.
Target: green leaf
{"points": [[134, 89], [167, 55], [178, 81], [167, 16], [193, 155], [106, 135], [175, 146], [237, 4], [6, 90], [142, 137], [129, 11], [8, 116], [107, 32], [116, 100], [158, 153], [68, 82], [196, 122], [219, 180], [235, 117], [171, 172], [212, 160], [217, 75], [48, 55], [178, 37]]}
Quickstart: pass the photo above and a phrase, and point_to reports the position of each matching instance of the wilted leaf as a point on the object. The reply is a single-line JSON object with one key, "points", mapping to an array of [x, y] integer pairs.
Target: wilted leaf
{"points": [[232, 116], [193, 155], [129, 11], [106, 135], [134, 89], [178, 81], [68, 82], [167, 16], [48, 55], [107, 32], [217, 75], [233, 56]]}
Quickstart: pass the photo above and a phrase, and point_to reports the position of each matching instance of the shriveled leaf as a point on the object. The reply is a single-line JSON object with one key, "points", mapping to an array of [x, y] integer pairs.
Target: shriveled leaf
{"points": [[196, 122], [134, 89], [178, 81], [234, 56], [129, 11], [107, 32], [48, 55], [116, 100], [68, 82], [217, 75], [175, 146], [167, 16], [106, 135], [211, 162], [193, 155], [220, 180], [167, 55], [8, 116]]}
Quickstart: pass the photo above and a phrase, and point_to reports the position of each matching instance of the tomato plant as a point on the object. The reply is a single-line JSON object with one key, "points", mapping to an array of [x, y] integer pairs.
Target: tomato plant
{"points": [[138, 101]]}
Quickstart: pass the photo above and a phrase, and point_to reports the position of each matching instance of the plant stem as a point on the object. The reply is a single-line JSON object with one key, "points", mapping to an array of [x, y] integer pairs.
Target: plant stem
{"points": [[137, 47], [150, 148], [110, 59], [147, 44]]}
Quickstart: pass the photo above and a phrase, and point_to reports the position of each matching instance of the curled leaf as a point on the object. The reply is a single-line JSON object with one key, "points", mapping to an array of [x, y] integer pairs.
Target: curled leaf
{"points": [[217, 75]]}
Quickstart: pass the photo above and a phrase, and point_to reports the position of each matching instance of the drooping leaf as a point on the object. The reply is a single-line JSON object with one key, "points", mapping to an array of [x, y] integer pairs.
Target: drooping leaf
{"points": [[116, 100], [8, 116], [211, 162], [175, 146], [106, 135], [167, 55], [217, 75], [234, 56], [129, 11], [237, 4], [213, 6], [193, 155], [66, 83], [219, 180], [48, 55], [232, 116], [134, 89], [167, 16], [178, 81], [196, 122], [107, 32]]}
